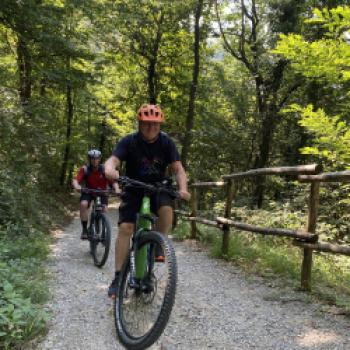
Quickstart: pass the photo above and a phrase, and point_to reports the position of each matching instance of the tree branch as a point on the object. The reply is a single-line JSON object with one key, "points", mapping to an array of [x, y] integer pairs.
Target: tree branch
{"points": [[227, 46], [246, 13], [287, 95]]}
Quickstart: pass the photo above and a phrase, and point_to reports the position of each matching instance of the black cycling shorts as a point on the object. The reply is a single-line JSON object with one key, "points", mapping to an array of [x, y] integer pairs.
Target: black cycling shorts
{"points": [[131, 204], [90, 196]]}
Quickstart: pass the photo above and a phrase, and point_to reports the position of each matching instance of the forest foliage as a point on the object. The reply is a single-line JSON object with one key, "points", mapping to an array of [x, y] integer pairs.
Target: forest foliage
{"points": [[243, 84]]}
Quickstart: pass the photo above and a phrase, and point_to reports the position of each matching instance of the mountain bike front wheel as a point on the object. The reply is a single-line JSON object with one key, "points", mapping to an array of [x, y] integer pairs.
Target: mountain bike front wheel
{"points": [[142, 307], [101, 239]]}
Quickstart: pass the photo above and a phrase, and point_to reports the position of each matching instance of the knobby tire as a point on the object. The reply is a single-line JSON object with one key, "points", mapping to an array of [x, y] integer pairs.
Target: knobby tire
{"points": [[143, 341], [106, 226]]}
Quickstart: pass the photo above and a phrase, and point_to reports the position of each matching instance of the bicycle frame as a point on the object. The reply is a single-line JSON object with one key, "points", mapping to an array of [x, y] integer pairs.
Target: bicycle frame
{"points": [[96, 209], [97, 204], [144, 222]]}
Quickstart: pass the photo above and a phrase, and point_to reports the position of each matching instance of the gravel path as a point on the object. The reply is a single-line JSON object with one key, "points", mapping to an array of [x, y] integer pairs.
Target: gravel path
{"points": [[216, 306]]}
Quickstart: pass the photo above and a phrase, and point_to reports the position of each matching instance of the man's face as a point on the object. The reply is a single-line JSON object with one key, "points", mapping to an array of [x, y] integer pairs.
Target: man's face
{"points": [[149, 130], [95, 162]]}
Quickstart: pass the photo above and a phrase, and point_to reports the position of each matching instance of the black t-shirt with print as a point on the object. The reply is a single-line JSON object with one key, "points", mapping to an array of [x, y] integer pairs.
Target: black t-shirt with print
{"points": [[145, 161]]}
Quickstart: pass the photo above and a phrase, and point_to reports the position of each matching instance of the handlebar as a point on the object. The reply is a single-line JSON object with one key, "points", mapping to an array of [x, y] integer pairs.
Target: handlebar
{"points": [[98, 191], [125, 181]]}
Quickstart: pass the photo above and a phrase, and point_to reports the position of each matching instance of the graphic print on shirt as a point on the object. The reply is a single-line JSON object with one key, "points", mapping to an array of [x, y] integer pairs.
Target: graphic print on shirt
{"points": [[150, 167]]}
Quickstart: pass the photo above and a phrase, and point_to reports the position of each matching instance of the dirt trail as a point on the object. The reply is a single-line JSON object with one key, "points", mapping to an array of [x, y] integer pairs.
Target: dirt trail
{"points": [[216, 307]]}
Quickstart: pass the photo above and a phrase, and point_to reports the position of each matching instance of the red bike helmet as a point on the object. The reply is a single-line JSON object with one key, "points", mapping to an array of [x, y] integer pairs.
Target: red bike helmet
{"points": [[150, 113]]}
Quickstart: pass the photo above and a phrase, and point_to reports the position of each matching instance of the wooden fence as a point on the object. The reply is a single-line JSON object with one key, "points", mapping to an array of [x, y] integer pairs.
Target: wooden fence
{"points": [[306, 239]]}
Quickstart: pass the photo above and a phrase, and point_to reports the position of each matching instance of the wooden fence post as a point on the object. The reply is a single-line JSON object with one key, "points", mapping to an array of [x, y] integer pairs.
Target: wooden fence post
{"points": [[226, 228], [194, 212], [311, 227]]}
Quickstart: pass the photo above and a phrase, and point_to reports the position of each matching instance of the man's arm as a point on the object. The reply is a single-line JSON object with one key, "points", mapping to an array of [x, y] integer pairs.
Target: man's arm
{"points": [[77, 180], [181, 179], [76, 185], [111, 164]]}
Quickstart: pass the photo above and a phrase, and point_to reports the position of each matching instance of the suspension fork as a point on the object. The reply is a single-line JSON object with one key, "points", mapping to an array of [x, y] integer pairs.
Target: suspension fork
{"points": [[144, 223]]}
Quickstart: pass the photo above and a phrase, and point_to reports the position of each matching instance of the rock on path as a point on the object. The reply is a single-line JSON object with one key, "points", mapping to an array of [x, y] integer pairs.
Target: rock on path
{"points": [[216, 307]]}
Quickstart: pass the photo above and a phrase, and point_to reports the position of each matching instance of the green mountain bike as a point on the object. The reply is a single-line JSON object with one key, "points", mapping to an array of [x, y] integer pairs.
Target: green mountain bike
{"points": [[146, 290]]}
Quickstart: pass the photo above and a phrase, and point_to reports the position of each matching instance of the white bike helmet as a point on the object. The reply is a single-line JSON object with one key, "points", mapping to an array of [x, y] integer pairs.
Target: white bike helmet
{"points": [[94, 153]]}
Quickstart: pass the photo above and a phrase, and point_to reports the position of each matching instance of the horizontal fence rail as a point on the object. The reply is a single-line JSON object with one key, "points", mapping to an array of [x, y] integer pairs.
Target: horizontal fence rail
{"points": [[306, 239], [325, 247], [219, 222], [340, 176], [306, 236], [285, 170], [208, 184], [188, 217]]}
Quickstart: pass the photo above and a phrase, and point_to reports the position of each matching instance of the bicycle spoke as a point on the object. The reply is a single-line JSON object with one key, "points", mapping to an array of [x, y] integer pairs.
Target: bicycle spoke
{"points": [[141, 310], [101, 240]]}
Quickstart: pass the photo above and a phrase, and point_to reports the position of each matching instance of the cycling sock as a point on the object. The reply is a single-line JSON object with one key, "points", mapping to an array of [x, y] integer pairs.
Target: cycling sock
{"points": [[84, 224]]}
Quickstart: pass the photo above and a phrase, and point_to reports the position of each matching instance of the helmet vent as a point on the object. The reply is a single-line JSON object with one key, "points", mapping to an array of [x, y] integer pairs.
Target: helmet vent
{"points": [[150, 113]]}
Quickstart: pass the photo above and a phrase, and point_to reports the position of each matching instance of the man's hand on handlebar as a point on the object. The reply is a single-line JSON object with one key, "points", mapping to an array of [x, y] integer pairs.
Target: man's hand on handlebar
{"points": [[112, 175], [116, 188], [185, 195]]}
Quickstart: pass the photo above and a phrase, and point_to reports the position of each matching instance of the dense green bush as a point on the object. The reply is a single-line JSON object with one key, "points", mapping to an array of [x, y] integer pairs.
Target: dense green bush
{"points": [[20, 319], [22, 288], [25, 215]]}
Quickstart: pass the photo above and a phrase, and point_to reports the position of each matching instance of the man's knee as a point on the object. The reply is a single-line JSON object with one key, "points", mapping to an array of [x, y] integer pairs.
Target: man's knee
{"points": [[84, 205], [164, 223], [126, 229], [165, 212]]}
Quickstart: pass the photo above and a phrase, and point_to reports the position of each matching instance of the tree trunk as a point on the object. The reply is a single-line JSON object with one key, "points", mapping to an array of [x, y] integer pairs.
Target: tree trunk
{"points": [[263, 157], [103, 133], [70, 173], [69, 101], [193, 90], [89, 123], [266, 85], [42, 90], [152, 64], [151, 77], [25, 71], [268, 115]]}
